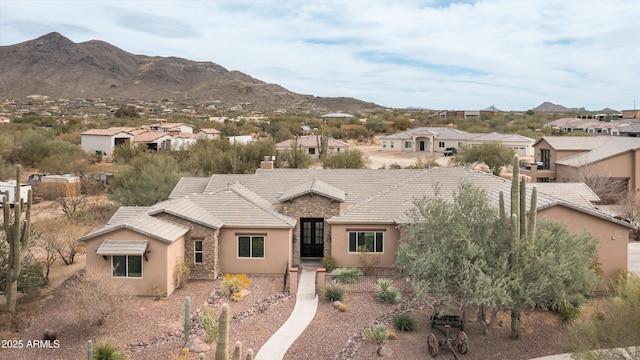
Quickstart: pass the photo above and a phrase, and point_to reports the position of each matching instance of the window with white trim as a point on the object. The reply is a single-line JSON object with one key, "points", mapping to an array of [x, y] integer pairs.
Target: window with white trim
{"points": [[251, 246], [126, 266], [384, 144], [407, 144], [197, 251], [392, 144], [366, 241], [441, 144]]}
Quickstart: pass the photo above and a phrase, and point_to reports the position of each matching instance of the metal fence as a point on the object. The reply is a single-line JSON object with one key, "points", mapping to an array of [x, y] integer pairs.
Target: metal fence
{"points": [[367, 283]]}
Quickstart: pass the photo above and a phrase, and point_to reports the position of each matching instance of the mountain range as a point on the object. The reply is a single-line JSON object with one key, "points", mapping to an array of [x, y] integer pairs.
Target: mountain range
{"points": [[55, 66]]}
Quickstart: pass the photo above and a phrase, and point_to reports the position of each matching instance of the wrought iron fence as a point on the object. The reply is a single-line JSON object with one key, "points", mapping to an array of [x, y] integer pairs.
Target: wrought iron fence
{"points": [[367, 283]]}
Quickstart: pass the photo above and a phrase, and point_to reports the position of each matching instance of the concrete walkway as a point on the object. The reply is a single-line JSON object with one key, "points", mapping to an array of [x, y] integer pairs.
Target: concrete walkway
{"points": [[303, 313]]}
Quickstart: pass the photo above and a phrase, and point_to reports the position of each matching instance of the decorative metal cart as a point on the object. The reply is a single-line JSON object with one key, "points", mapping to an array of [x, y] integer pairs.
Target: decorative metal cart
{"points": [[444, 323]]}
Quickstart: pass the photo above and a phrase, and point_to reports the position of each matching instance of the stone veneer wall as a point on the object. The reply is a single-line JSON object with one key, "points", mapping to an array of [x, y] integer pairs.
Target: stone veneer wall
{"points": [[311, 206], [210, 267]]}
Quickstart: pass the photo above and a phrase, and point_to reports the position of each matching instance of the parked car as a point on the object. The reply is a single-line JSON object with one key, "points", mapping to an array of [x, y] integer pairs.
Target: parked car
{"points": [[450, 151]]}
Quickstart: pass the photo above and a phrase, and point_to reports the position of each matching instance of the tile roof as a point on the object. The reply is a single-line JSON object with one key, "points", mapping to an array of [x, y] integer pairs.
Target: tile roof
{"points": [[607, 147], [108, 132], [209, 131], [370, 195], [127, 212], [242, 208], [159, 229], [149, 136], [189, 185], [578, 193], [188, 210]]}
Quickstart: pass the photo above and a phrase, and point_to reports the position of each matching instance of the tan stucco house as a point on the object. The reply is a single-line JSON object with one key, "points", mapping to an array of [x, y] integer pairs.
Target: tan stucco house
{"points": [[437, 139], [263, 223], [309, 144], [570, 158]]}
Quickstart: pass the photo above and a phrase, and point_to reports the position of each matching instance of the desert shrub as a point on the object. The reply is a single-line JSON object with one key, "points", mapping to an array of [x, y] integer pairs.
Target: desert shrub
{"points": [[386, 292], [31, 277], [334, 293], [615, 324], [377, 333], [345, 275], [209, 321], [329, 263], [181, 274], [392, 336], [107, 350], [232, 284], [367, 260], [570, 313], [98, 296], [182, 355], [404, 322]]}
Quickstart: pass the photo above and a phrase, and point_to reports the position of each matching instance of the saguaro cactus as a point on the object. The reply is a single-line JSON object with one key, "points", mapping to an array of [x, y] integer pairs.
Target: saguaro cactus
{"points": [[521, 232], [223, 333], [187, 319], [17, 231], [237, 351]]}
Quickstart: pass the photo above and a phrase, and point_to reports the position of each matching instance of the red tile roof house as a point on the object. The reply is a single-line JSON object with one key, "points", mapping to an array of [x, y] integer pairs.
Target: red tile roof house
{"points": [[309, 143], [264, 222]]}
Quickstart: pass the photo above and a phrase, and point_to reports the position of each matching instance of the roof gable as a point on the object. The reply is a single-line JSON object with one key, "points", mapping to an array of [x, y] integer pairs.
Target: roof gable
{"points": [[163, 230], [314, 186]]}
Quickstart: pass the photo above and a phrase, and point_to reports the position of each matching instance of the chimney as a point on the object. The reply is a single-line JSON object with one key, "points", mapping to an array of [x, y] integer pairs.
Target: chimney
{"points": [[267, 163]]}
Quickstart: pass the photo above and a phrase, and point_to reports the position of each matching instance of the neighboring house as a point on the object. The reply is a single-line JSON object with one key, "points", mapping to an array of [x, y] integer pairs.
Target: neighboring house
{"points": [[240, 139], [155, 137], [153, 141], [208, 134], [264, 222], [631, 114], [164, 127], [578, 125], [568, 159], [182, 141], [437, 139], [309, 143], [633, 130], [337, 115], [103, 141]]}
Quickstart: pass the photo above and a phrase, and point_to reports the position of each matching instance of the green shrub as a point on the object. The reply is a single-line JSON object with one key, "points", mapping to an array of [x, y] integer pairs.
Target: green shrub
{"points": [[344, 275], [329, 263], [376, 333], [107, 350], [404, 322], [386, 292], [334, 293], [570, 313]]}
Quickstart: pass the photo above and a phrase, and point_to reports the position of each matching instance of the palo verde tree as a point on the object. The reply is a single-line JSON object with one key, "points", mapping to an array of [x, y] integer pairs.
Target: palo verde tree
{"points": [[466, 250], [494, 155], [453, 251], [17, 233]]}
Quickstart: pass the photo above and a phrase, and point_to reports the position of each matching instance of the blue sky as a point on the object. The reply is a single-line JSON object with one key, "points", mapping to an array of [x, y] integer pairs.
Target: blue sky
{"points": [[439, 54]]}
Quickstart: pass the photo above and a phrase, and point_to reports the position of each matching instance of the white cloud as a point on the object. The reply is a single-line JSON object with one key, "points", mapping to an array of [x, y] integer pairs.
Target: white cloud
{"points": [[435, 54]]}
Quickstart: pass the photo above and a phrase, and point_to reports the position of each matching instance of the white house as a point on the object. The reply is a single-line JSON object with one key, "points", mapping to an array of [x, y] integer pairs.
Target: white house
{"points": [[210, 134], [309, 144], [103, 141]]}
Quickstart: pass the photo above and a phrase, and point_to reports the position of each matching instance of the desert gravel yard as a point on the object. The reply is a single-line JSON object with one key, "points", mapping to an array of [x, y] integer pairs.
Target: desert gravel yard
{"points": [[152, 329]]}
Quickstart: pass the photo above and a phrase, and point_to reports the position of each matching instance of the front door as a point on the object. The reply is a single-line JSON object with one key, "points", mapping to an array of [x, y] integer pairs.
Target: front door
{"points": [[311, 237], [421, 145]]}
